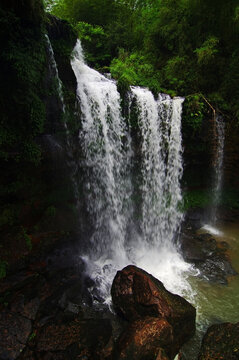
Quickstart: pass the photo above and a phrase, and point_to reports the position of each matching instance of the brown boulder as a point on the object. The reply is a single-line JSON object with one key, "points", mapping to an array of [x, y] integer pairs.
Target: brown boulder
{"points": [[144, 339], [221, 341], [137, 294]]}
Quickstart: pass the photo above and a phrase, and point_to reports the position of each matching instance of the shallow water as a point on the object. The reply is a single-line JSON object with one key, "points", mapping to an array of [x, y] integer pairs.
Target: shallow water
{"points": [[215, 303]]}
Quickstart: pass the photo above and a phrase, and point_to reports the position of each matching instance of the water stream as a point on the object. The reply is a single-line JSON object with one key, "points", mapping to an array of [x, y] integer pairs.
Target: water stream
{"points": [[54, 72], [218, 165], [216, 303], [217, 183], [67, 143]]}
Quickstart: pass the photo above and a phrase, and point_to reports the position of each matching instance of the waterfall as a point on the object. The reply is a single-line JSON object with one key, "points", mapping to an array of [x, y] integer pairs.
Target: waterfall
{"points": [[218, 167], [217, 175], [70, 158], [160, 125], [54, 71], [107, 162], [103, 138], [161, 170]]}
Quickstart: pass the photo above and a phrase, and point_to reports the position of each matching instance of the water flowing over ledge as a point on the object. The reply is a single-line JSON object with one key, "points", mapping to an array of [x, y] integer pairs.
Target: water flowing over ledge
{"points": [[218, 166], [118, 238]]}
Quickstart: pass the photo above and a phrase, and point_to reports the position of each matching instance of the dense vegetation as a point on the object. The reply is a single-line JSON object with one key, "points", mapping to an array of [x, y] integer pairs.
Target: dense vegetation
{"points": [[188, 47]]}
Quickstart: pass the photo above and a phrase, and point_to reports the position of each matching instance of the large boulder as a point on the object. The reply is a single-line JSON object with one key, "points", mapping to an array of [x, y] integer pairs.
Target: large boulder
{"points": [[221, 341], [137, 294], [145, 339]]}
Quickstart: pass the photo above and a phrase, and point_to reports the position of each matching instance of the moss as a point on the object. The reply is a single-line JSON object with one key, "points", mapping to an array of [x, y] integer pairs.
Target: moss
{"points": [[230, 198], [196, 199]]}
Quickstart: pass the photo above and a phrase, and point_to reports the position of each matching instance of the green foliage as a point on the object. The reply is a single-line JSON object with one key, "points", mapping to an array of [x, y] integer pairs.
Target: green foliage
{"points": [[48, 4], [174, 71], [87, 31], [230, 198], [134, 69], [94, 40], [193, 112], [184, 47], [236, 18], [202, 198], [207, 52], [196, 198]]}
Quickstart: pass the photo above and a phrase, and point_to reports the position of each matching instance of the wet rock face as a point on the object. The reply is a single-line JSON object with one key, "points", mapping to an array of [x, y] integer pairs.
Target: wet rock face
{"points": [[28, 10], [61, 34], [137, 294], [208, 255], [221, 341], [144, 338]]}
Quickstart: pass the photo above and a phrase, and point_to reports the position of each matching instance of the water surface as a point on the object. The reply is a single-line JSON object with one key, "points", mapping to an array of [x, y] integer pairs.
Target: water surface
{"points": [[216, 303]]}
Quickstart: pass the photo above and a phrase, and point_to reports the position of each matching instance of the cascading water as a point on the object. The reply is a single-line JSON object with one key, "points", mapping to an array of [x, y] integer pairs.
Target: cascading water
{"points": [[161, 171], [105, 162], [217, 176], [107, 158], [55, 75], [218, 166], [54, 70], [160, 124]]}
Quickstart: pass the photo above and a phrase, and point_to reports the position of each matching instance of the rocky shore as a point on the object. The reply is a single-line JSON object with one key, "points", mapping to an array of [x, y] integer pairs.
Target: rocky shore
{"points": [[47, 310]]}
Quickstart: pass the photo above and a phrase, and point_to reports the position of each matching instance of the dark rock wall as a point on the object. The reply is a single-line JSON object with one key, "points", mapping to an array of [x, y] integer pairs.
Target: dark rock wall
{"points": [[197, 155], [231, 159], [37, 194], [30, 11], [200, 148]]}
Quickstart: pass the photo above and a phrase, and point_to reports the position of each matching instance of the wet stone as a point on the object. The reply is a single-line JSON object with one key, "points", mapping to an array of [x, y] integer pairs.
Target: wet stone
{"points": [[137, 294], [221, 341], [145, 338], [208, 256]]}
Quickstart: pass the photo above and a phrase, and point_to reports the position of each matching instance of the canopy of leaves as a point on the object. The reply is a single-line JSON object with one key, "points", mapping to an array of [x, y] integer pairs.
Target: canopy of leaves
{"points": [[188, 46]]}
